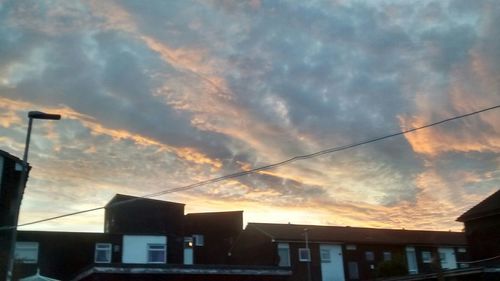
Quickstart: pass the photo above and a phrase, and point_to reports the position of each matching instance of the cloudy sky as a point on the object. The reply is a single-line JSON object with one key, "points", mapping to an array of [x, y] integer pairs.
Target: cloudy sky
{"points": [[161, 94]]}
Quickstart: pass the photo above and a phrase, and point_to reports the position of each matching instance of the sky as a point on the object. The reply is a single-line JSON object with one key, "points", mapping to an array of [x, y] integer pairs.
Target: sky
{"points": [[157, 95]]}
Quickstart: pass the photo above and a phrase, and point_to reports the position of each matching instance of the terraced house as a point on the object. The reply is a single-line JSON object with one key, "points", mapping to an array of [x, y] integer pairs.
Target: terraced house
{"points": [[324, 253]]}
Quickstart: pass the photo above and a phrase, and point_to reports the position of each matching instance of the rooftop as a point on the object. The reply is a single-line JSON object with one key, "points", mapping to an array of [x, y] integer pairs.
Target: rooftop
{"points": [[340, 234], [487, 207]]}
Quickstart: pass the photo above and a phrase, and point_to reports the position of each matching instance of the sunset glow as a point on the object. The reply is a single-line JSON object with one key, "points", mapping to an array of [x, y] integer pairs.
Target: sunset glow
{"points": [[158, 95]]}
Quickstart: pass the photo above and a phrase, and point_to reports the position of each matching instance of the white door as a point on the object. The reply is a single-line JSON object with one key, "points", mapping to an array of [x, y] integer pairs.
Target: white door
{"points": [[447, 257], [188, 250], [411, 257], [332, 263], [188, 255]]}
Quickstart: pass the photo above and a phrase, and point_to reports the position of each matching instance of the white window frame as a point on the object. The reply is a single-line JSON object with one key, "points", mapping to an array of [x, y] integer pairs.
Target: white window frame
{"points": [[199, 239], [369, 256], [426, 256], [151, 249], [306, 252], [350, 247], [22, 251], [188, 242], [387, 256], [284, 246], [103, 247], [326, 255]]}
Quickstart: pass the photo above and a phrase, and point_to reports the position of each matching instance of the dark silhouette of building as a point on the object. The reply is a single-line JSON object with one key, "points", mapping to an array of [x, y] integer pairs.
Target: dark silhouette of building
{"points": [[144, 239], [10, 175], [482, 228], [217, 232], [320, 253]]}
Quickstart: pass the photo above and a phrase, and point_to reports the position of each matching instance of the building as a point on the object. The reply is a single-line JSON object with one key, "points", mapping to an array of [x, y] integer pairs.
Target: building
{"points": [[211, 235], [10, 175], [320, 253], [482, 230], [147, 239], [144, 239]]}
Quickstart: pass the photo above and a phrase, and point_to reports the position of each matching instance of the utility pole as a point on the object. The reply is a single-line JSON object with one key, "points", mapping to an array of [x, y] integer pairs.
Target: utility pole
{"points": [[306, 234]]}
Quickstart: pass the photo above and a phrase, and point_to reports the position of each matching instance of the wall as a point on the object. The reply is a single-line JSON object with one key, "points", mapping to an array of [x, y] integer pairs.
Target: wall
{"points": [[135, 247], [483, 237], [1, 172], [219, 230], [9, 184], [64, 254], [368, 269], [143, 216], [252, 247]]}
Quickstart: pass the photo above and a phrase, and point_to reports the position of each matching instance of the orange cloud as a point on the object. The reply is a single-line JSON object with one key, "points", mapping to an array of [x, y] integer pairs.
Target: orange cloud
{"points": [[473, 85], [207, 95], [114, 16], [197, 157], [9, 118]]}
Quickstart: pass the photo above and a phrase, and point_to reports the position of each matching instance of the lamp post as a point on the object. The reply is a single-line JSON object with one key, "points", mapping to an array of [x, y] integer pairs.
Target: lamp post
{"points": [[22, 184], [306, 234]]}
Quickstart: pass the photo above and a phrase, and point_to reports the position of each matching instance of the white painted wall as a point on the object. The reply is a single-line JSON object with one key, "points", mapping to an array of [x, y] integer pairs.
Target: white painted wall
{"points": [[449, 261], [135, 247]]}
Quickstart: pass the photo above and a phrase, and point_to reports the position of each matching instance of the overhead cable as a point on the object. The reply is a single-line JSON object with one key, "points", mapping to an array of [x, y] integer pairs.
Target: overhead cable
{"points": [[258, 169]]}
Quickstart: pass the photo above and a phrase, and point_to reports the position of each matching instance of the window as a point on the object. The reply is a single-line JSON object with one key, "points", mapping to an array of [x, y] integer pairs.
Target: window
{"points": [[325, 255], [350, 247], [442, 258], [369, 256], [199, 240], [188, 242], [26, 252], [156, 253], [102, 253], [426, 257], [387, 256], [352, 267], [284, 254], [304, 254]]}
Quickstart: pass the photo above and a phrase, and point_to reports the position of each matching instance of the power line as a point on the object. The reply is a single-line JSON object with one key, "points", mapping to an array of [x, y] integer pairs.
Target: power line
{"points": [[258, 169]]}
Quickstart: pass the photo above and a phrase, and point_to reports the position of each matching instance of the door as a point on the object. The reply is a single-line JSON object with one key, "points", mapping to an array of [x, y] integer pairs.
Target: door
{"points": [[411, 257], [188, 250], [332, 263]]}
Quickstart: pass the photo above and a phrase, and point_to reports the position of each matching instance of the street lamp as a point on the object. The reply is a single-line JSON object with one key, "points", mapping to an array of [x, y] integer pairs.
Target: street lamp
{"points": [[22, 184], [35, 115]]}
